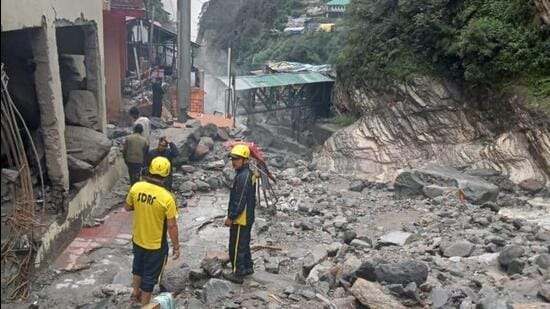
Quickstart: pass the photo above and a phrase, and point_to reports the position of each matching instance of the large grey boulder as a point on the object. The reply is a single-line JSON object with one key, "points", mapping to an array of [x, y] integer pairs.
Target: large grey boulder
{"points": [[82, 110], [403, 273], [175, 279], [216, 289], [412, 183], [210, 130], [371, 295], [87, 144], [186, 140], [510, 253]]}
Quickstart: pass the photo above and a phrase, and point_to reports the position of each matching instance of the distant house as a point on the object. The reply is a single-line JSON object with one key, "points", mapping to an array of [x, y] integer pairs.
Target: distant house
{"points": [[336, 8]]}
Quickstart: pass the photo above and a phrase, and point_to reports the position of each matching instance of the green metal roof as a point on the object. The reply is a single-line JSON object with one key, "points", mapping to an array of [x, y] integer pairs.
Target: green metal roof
{"points": [[276, 80], [338, 2]]}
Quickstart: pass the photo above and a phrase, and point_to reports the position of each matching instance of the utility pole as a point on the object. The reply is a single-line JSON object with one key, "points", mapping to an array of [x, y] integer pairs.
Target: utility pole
{"points": [[151, 45], [184, 58], [228, 97]]}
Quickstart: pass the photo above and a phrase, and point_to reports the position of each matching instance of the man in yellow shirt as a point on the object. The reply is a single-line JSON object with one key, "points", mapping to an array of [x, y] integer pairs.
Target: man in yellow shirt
{"points": [[155, 212]]}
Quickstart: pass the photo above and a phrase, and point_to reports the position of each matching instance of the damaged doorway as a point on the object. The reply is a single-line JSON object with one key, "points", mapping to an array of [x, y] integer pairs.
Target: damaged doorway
{"points": [[79, 76]]}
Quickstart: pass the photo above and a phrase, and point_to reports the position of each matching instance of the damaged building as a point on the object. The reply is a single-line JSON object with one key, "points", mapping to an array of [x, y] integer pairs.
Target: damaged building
{"points": [[53, 121]]}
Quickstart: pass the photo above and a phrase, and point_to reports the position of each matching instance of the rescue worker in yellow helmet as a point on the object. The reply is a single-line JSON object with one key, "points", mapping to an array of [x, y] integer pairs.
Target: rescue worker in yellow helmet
{"points": [[155, 213], [240, 215]]}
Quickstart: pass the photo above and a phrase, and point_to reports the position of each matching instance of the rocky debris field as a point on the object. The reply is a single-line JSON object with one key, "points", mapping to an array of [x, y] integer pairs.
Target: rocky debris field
{"points": [[436, 238]]}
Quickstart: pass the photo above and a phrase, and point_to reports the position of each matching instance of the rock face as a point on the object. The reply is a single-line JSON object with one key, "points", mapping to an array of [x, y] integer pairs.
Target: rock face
{"points": [[90, 146], [413, 182], [371, 295], [82, 110], [426, 120]]}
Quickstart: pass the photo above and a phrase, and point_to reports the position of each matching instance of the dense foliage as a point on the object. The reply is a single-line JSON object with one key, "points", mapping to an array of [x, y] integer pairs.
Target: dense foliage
{"points": [[478, 41]]}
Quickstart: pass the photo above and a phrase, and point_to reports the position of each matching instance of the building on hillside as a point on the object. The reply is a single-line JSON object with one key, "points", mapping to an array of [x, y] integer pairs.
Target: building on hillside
{"points": [[115, 13], [336, 8]]}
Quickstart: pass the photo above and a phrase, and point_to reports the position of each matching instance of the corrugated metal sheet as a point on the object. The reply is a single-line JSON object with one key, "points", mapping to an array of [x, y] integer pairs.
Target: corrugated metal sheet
{"points": [[338, 2], [277, 80]]}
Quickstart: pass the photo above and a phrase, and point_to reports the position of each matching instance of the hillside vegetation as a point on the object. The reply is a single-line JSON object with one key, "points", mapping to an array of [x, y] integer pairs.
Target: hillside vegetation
{"points": [[499, 43], [254, 30]]}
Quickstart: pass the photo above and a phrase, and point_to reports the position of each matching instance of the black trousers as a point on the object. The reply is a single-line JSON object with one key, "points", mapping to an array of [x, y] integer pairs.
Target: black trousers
{"points": [[239, 248], [134, 171], [157, 108]]}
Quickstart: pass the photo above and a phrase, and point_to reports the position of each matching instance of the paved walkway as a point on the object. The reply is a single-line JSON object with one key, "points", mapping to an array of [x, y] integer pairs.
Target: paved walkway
{"points": [[116, 230]]}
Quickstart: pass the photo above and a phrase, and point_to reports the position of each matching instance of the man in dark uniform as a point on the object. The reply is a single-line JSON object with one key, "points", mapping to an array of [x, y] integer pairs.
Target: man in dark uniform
{"points": [[240, 215], [158, 93], [168, 150]]}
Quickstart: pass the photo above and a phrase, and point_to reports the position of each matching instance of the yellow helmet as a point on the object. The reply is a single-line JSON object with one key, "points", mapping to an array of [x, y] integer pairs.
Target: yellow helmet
{"points": [[241, 151], [160, 166]]}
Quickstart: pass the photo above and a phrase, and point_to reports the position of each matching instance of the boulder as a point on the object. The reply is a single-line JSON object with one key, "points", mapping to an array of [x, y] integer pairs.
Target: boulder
{"points": [[412, 182], [78, 169], [403, 273], [515, 267], [367, 271], [371, 295], [213, 266], [188, 169], [459, 248], [349, 236], [314, 257], [345, 302], [440, 296], [315, 274], [202, 186], [272, 265], [203, 147], [222, 135], [175, 279], [216, 289], [395, 238], [544, 292], [210, 130], [186, 140], [358, 243], [433, 191], [92, 146], [208, 141], [81, 109], [543, 261], [357, 186], [531, 185], [508, 254]]}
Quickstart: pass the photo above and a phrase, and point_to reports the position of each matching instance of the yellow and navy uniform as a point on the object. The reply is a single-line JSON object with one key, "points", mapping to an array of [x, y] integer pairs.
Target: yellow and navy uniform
{"points": [[153, 205], [241, 209]]}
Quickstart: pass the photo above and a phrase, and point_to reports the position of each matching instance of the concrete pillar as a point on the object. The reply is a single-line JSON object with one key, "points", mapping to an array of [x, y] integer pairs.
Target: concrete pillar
{"points": [[94, 74], [50, 102]]}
